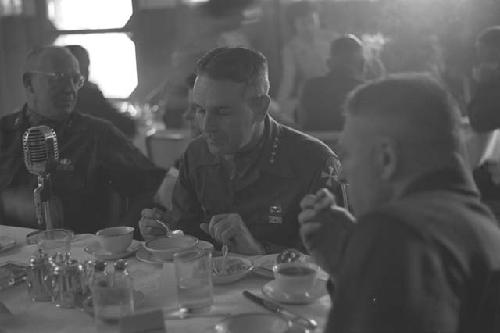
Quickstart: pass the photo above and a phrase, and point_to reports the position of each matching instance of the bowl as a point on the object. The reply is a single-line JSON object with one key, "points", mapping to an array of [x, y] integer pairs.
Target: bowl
{"points": [[164, 247], [115, 239], [236, 269]]}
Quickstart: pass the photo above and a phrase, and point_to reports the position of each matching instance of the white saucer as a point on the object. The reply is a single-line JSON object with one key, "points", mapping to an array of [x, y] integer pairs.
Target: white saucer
{"points": [[97, 251], [147, 257], [6, 243], [272, 291]]}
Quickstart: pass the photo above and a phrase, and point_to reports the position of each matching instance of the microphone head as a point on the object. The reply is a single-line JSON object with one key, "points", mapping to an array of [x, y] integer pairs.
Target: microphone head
{"points": [[41, 152]]}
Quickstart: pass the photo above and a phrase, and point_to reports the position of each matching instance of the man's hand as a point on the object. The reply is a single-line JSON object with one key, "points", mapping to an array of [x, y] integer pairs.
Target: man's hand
{"points": [[324, 228], [231, 230], [151, 225]]}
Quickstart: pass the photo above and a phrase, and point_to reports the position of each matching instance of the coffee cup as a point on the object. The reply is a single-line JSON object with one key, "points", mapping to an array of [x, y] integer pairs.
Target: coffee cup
{"points": [[296, 278], [115, 239]]}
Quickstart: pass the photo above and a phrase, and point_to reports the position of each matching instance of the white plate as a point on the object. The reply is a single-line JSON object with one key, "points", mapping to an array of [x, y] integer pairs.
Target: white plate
{"points": [[6, 243], [250, 323], [147, 257], [234, 276], [272, 290], [98, 252]]}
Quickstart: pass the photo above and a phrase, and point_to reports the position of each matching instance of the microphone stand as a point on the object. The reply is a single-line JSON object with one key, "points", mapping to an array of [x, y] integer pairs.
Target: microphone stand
{"points": [[41, 196]]}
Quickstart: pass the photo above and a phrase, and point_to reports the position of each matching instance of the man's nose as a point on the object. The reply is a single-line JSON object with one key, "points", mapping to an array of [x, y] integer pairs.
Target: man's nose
{"points": [[208, 122], [69, 87]]}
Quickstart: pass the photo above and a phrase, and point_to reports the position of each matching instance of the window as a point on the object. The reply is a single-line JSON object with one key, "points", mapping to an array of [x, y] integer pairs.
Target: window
{"points": [[99, 26]]}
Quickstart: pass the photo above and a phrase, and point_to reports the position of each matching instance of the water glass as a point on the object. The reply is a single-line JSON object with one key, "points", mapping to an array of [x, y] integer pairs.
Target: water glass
{"points": [[110, 305], [193, 269], [54, 241]]}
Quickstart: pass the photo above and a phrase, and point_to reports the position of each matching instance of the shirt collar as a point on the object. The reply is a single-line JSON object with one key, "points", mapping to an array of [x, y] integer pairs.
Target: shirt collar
{"points": [[454, 177], [26, 118], [271, 156]]}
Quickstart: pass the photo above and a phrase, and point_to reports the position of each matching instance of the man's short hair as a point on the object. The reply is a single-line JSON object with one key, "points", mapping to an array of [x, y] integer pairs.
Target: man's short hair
{"points": [[490, 37], [237, 64], [423, 111]]}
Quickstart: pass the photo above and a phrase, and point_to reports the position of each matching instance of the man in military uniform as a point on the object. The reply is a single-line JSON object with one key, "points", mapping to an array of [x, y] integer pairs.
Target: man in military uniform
{"points": [[96, 160], [241, 182]]}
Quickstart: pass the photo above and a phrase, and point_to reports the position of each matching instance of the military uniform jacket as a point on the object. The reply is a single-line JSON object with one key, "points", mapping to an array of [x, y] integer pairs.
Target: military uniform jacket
{"points": [[285, 167], [94, 157], [426, 263]]}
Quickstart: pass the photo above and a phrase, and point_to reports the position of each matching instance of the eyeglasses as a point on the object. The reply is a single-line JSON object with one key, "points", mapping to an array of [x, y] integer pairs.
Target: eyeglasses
{"points": [[57, 78]]}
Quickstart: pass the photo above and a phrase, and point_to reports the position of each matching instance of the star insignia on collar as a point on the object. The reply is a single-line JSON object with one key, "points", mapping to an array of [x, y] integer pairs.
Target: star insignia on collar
{"points": [[331, 171]]}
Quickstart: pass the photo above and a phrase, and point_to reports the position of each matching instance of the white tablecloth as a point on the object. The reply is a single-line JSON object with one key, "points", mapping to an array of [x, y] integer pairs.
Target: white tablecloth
{"points": [[156, 282]]}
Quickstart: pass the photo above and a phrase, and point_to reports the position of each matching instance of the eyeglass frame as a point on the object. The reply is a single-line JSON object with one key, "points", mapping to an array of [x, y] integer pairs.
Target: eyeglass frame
{"points": [[57, 77]]}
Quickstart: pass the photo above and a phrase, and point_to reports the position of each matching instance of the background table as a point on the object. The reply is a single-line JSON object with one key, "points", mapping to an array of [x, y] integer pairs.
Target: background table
{"points": [[156, 282]]}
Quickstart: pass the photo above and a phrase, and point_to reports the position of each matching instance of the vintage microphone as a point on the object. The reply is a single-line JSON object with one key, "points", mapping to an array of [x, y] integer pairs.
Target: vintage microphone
{"points": [[41, 156]]}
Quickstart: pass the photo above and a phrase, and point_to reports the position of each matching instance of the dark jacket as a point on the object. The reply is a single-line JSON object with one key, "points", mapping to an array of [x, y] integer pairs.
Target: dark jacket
{"points": [[283, 169], [428, 262], [94, 158], [91, 101], [323, 98]]}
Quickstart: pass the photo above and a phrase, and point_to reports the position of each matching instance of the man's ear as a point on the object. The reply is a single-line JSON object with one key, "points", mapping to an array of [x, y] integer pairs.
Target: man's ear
{"points": [[27, 82], [386, 158], [260, 105]]}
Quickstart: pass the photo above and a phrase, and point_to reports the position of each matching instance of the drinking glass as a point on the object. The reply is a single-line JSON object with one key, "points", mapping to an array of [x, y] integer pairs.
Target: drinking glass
{"points": [[193, 269], [111, 303], [54, 241]]}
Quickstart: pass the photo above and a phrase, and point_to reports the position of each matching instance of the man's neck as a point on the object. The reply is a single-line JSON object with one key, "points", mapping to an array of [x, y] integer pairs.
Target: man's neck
{"points": [[238, 162], [35, 118], [254, 142]]}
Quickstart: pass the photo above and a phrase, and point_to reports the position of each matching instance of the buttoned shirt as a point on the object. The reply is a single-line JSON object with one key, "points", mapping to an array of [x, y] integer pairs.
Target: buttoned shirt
{"points": [[94, 157], [284, 167]]}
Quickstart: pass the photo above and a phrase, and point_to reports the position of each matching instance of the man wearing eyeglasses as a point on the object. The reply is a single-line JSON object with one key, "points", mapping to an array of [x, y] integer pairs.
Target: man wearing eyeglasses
{"points": [[96, 160], [241, 181]]}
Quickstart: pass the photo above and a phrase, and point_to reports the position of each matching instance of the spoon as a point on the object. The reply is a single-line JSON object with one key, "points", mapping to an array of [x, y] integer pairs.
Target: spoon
{"points": [[168, 232], [225, 250]]}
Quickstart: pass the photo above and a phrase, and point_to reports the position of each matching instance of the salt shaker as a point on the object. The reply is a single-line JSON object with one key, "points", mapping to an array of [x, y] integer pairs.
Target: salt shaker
{"points": [[38, 278], [67, 284]]}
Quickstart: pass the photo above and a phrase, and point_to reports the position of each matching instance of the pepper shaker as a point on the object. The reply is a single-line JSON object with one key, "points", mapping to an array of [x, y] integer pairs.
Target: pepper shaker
{"points": [[67, 284], [38, 278]]}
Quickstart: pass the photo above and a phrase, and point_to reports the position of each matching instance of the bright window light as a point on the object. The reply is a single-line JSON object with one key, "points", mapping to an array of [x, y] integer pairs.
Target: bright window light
{"points": [[89, 14], [112, 61]]}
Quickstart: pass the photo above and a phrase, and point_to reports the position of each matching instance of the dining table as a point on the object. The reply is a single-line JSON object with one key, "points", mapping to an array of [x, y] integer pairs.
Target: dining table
{"points": [[157, 282]]}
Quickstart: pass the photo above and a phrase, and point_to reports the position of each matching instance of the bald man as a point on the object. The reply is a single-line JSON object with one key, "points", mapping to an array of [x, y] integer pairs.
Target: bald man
{"points": [[96, 159]]}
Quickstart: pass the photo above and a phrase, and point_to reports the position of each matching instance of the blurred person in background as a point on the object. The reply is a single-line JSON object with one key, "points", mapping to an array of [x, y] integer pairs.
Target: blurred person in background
{"points": [[484, 115], [241, 181], [97, 163], [305, 55], [91, 100], [484, 108], [164, 195], [322, 100], [420, 253]]}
